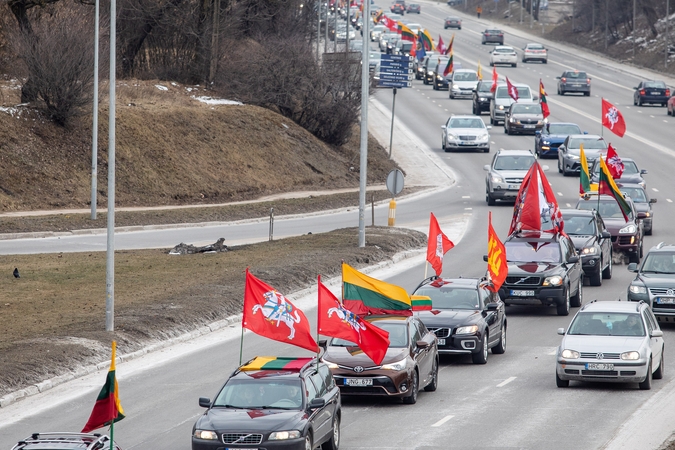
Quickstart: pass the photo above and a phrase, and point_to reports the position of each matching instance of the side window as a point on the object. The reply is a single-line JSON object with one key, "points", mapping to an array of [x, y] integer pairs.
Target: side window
{"points": [[310, 389], [325, 372], [485, 296], [414, 333], [319, 383], [650, 325], [651, 319]]}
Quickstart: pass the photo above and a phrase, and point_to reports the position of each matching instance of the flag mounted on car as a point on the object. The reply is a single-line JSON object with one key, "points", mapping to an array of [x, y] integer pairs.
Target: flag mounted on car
{"points": [[542, 100], [406, 33], [365, 295], [606, 185], [441, 45], [536, 208], [479, 71], [614, 163], [512, 90], [613, 119], [584, 174], [107, 409], [437, 246], [450, 67], [497, 267], [426, 40], [448, 51], [495, 80]]}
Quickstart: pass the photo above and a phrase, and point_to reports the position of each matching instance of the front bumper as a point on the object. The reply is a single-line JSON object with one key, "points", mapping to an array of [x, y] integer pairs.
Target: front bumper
{"points": [[591, 265], [550, 150], [525, 128], [383, 386], [467, 144], [498, 115], [626, 243], [504, 191], [458, 92], [665, 312], [462, 344], [288, 444], [541, 295], [624, 372]]}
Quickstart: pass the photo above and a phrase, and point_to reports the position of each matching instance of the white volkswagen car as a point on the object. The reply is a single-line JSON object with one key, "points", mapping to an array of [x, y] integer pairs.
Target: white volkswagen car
{"points": [[503, 54]]}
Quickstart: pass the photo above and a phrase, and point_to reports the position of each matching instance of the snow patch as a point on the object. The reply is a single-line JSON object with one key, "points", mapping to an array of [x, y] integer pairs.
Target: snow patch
{"points": [[161, 88], [216, 101], [12, 111]]}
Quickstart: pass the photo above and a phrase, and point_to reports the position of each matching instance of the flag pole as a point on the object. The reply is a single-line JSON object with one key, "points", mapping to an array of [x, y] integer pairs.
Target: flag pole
{"points": [[112, 434], [426, 266], [318, 307]]}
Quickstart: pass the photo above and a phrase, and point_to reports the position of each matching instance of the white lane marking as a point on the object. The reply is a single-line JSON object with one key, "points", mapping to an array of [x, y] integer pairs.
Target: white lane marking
{"points": [[651, 116], [442, 421], [669, 200], [655, 190], [560, 194], [466, 196], [568, 205], [468, 209], [505, 382], [665, 121]]}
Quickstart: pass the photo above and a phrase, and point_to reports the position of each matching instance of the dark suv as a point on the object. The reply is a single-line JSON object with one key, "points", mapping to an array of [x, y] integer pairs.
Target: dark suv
{"points": [[272, 403], [466, 316], [544, 269], [481, 98], [574, 81], [655, 281], [592, 241], [65, 441]]}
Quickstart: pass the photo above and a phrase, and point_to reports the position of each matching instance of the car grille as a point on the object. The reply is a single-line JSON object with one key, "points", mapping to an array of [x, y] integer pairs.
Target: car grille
{"points": [[662, 291], [524, 281], [242, 438], [529, 121], [514, 180], [467, 138], [614, 238], [440, 332], [624, 240], [600, 373], [594, 355]]}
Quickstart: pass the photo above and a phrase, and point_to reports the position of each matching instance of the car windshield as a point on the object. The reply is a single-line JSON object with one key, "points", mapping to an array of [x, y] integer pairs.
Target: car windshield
{"points": [[433, 62], [563, 128], [260, 393], [606, 209], [522, 251], [379, 28], [484, 87], [575, 75], [655, 84], [450, 297], [607, 324], [398, 335], [465, 76], [589, 143], [580, 225], [635, 193], [523, 92], [659, 262], [509, 162], [534, 108], [629, 167], [467, 123], [404, 45]]}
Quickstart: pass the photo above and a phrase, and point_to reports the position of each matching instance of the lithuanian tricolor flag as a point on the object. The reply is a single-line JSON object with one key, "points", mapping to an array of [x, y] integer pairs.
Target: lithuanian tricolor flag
{"points": [[606, 185], [364, 295], [421, 303], [426, 40], [584, 174], [406, 33], [107, 408], [275, 363]]}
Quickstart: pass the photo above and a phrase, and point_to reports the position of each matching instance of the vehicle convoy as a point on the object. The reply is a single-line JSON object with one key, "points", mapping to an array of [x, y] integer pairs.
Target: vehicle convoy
{"points": [[643, 204], [654, 281], [502, 100], [569, 159], [592, 241]]}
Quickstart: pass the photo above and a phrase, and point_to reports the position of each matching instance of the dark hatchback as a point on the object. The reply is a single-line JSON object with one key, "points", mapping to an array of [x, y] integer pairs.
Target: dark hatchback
{"points": [[430, 67], [574, 81], [481, 98], [592, 241], [452, 22], [491, 36], [523, 118], [654, 281], [548, 139], [643, 204], [653, 92], [466, 317], [544, 269], [272, 403]]}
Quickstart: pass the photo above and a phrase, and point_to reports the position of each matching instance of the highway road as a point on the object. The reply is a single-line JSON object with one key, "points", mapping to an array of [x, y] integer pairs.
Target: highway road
{"points": [[512, 401]]}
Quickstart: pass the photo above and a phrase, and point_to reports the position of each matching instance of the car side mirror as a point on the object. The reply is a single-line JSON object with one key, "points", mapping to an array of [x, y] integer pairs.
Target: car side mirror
{"points": [[489, 127], [442, 127], [652, 200], [537, 132], [632, 267], [636, 88], [585, 132], [606, 235], [204, 402], [485, 258], [557, 78], [561, 331], [492, 306], [422, 344], [535, 97], [573, 259], [317, 403], [486, 167], [656, 333], [643, 172]]}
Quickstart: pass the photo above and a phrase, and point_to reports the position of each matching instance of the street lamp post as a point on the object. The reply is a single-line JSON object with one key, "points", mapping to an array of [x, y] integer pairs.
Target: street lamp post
{"points": [[606, 24], [665, 61], [531, 13], [634, 27]]}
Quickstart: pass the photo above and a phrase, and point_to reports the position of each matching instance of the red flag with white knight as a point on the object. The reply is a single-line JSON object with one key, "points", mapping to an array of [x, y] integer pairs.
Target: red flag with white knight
{"points": [[335, 320], [512, 90], [389, 23], [613, 119], [268, 313], [614, 163], [441, 45], [437, 246]]}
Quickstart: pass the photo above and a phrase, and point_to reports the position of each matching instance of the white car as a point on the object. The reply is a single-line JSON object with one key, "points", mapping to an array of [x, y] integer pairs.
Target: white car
{"points": [[462, 83], [535, 52], [469, 132], [503, 54]]}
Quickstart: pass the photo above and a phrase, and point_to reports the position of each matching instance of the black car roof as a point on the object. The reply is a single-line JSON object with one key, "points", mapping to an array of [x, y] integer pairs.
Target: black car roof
{"points": [[274, 366], [571, 212], [537, 236]]}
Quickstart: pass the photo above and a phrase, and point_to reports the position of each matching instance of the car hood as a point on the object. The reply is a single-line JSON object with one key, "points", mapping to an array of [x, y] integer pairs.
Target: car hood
{"points": [[591, 153], [554, 138], [448, 318], [604, 344], [521, 116], [249, 420], [466, 84], [471, 131], [506, 101], [614, 224], [511, 173], [528, 268], [580, 240], [343, 356], [658, 279]]}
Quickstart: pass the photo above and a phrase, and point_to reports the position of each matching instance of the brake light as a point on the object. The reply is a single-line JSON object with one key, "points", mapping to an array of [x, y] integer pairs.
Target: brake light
{"points": [[642, 92], [501, 34], [563, 79], [588, 81], [667, 92]]}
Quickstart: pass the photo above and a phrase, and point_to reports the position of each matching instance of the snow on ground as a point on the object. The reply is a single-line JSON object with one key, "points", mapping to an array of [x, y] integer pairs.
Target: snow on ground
{"points": [[216, 101]]}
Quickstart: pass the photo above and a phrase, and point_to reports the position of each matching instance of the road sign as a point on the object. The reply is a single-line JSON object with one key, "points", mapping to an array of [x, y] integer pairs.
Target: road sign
{"points": [[395, 182], [395, 71]]}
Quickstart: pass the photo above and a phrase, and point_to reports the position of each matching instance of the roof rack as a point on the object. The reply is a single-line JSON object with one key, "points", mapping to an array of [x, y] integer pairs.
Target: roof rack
{"points": [[660, 244], [97, 442], [637, 307]]}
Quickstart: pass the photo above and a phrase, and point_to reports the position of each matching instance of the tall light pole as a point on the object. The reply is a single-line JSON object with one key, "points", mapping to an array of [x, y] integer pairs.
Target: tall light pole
{"points": [[531, 13], [521, 11], [573, 5], [318, 28], [110, 249], [606, 23], [634, 27], [365, 82], [665, 61], [94, 131]]}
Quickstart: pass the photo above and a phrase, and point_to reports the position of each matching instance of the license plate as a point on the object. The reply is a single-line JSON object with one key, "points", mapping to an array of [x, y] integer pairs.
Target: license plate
{"points": [[358, 381], [594, 366], [516, 293], [239, 448], [514, 187], [441, 342], [655, 93], [528, 126], [466, 143], [665, 300]]}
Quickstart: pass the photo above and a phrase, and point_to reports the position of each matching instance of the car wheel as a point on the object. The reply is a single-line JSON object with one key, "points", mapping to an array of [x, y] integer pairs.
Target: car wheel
{"points": [[435, 86], [481, 356], [560, 92], [607, 272], [506, 130], [648, 232], [639, 101], [559, 166], [452, 97], [308, 443], [596, 278], [491, 64], [545, 61], [647, 383], [414, 387], [473, 110], [579, 296], [334, 442], [642, 247], [443, 144], [487, 150], [634, 257], [564, 309], [514, 65], [561, 383], [500, 348], [433, 384], [587, 94], [658, 374], [459, 28], [490, 201], [634, 102]]}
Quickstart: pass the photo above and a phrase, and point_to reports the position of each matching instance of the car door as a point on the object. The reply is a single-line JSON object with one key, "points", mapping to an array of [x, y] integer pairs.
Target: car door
{"points": [[417, 332], [321, 418], [573, 269], [655, 343], [493, 318]]}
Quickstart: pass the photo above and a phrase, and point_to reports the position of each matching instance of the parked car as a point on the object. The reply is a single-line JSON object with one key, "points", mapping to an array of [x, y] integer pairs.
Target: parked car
{"points": [[502, 100], [592, 241], [611, 341], [535, 52], [523, 118], [654, 281], [452, 22], [465, 132], [574, 81], [414, 8], [430, 67], [462, 83], [492, 36], [631, 173], [503, 54], [654, 92], [297, 397], [481, 97], [505, 174], [643, 204], [570, 150], [627, 235], [411, 362], [543, 269], [466, 316], [65, 441], [548, 139]]}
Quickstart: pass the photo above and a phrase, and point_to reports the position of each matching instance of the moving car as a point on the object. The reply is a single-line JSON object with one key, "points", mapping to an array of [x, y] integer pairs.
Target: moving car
{"points": [[481, 97], [466, 316], [523, 118], [452, 22], [535, 52], [462, 83], [548, 139], [611, 341], [414, 8], [376, 32], [654, 92], [569, 152], [631, 173], [403, 48], [574, 81], [671, 106], [441, 81], [65, 441], [492, 36], [627, 235], [592, 241], [418, 66], [503, 55], [296, 398], [502, 100], [398, 8], [465, 132], [430, 67], [411, 362], [385, 38], [643, 204], [654, 281], [505, 174]]}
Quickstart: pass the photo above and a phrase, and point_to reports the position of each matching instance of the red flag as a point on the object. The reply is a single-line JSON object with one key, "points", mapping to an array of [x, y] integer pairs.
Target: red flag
{"points": [[450, 67], [513, 92], [389, 23], [495, 79], [107, 408], [497, 266], [441, 45], [612, 119], [438, 245], [614, 163], [542, 100], [270, 314], [413, 50], [337, 321]]}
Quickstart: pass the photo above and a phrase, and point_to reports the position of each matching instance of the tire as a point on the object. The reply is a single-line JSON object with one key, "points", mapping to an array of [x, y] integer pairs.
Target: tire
{"points": [[308, 443], [491, 64], [334, 442], [490, 201], [639, 101], [500, 348], [435, 87], [634, 257], [514, 65], [658, 373], [452, 97], [561, 383], [559, 166], [648, 232], [607, 271], [564, 309], [587, 94], [473, 110], [642, 249], [443, 145], [481, 356], [634, 102], [647, 383], [487, 150], [433, 384], [506, 130], [579, 296], [596, 278], [412, 398], [545, 61]]}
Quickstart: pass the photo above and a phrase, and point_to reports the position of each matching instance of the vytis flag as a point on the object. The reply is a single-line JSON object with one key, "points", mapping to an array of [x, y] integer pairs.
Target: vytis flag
{"points": [[513, 92], [450, 67], [497, 267], [612, 119], [389, 23], [606, 185], [480, 71], [438, 245], [426, 40], [614, 163], [270, 314], [107, 408], [448, 51], [584, 174], [407, 34], [495, 80], [542, 100], [536, 208], [337, 321], [441, 45], [364, 295]]}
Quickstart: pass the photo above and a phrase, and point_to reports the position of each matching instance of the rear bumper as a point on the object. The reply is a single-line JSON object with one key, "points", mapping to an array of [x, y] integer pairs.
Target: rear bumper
{"points": [[576, 88]]}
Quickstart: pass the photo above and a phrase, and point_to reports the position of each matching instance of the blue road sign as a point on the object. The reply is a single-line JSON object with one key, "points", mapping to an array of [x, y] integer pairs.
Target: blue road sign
{"points": [[395, 84]]}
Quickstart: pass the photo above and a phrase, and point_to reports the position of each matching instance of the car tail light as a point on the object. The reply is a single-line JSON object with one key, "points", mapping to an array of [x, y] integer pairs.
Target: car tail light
{"points": [[588, 81], [563, 79], [642, 92], [501, 34], [667, 92]]}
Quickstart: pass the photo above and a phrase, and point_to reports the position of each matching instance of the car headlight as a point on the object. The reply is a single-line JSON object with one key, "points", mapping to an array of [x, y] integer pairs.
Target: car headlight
{"points": [[631, 356], [283, 435], [438, 77], [555, 280], [589, 251], [628, 229], [575, 157], [642, 183], [545, 143], [570, 354], [482, 99], [501, 107], [637, 289], [454, 86], [497, 179], [206, 434], [429, 72], [471, 329], [485, 138], [398, 365], [452, 136]]}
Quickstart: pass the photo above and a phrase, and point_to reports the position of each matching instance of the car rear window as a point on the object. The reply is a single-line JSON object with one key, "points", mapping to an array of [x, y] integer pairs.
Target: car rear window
{"points": [[576, 75], [655, 84], [493, 32], [535, 47], [503, 50]]}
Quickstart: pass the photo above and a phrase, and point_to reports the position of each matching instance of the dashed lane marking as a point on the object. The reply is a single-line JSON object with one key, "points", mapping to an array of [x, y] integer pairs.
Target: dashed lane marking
{"points": [[505, 382], [442, 421]]}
